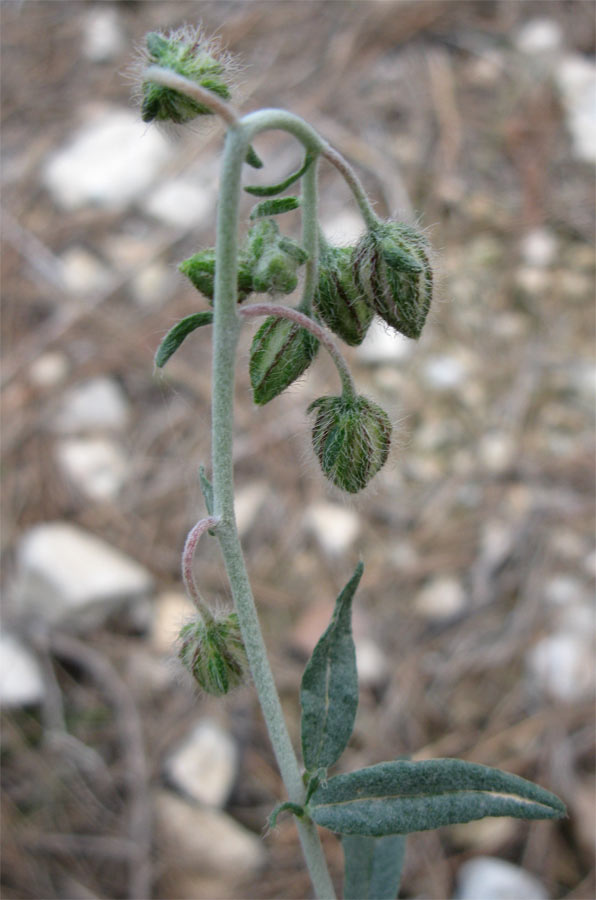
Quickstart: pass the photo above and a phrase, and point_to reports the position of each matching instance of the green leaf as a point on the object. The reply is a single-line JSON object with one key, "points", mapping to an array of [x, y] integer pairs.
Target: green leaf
{"points": [[400, 797], [329, 690], [372, 866], [274, 207], [294, 808], [253, 159], [273, 189], [178, 333]]}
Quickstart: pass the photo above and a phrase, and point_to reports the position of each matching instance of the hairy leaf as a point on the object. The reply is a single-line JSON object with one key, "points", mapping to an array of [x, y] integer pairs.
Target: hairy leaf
{"points": [[400, 797], [253, 159], [274, 207], [329, 690], [178, 333], [273, 189], [372, 866]]}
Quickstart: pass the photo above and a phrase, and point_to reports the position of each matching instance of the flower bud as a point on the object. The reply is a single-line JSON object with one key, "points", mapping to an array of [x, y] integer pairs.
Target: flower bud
{"points": [[392, 267], [281, 351], [339, 300], [351, 437], [274, 258], [200, 270], [214, 654], [187, 52]]}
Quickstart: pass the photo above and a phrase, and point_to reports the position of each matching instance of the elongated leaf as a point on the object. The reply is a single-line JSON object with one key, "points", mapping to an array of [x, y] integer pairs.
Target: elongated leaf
{"points": [[329, 690], [372, 866], [400, 797], [176, 335], [271, 190], [274, 206], [253, 159]]}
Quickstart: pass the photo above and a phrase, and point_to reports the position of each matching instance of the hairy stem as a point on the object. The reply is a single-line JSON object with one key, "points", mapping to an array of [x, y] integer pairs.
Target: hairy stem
{"points": [[295, 315], [177, 82], [226, 329], [354, 183], [310, 235], [194, 536]]}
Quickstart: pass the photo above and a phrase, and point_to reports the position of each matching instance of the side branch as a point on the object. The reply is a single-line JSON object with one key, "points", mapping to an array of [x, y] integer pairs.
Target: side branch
{"points": [[177, 82], [194, 536]]}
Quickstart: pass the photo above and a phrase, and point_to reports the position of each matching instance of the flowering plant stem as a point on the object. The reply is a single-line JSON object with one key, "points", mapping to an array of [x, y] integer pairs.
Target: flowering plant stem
{"points": [[226, 327]]}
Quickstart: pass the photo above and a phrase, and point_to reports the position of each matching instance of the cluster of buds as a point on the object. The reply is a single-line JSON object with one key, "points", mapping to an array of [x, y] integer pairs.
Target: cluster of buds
{"points": [[338, 299], [351, 437], [186, 52], [213, 652], [267, 263], [281, 351]]}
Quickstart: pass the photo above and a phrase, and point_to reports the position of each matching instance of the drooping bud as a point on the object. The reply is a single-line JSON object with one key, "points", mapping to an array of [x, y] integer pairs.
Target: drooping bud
{"points": [[392, 267], [187, 52], [273, 258], [214, 654], [281, 351], [351, 437], [200, 270], [339, 300]]}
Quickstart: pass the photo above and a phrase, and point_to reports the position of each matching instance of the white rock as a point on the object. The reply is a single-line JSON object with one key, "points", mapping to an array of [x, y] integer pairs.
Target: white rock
{"points": [[205, 765], [94, 404], [343, 229], [562, 665], [249, 502], [109, 162], [172, 610], [334, 527], [371, 663], [181, 203], [103, 38], [440, 599], [153, 285], [21, 680], [382, 345], [531, 279], [488, 878], [82, 271], [562, 590], [49, 369], [97, 466], [539, 37], [67, 574], [576, 78], [539, 248], [444, 372], [206, 839], [497, 450]]}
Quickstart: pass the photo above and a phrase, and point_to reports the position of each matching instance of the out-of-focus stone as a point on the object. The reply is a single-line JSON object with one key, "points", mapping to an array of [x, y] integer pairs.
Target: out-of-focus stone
{"points": [[21, 680], [248, 503], [153, 285], [532, 280], [109, 162], [67, 574], [371, 663], [98, 403], [539, 248], [49, 369], [384, 346], [445, 372], [205, 765], [205, 840], [172, 611], [487, 878], [441, 599], [344, 229], [576, 78], [181, 203], [539, 37], [485, 834], [562, 666], [103, 37], [334, 527], [82, 271], [97, 466], [497, 451]]}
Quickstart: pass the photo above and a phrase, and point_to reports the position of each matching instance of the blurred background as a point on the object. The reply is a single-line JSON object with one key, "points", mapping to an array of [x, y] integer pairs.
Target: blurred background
{"points": [[474, 622]]}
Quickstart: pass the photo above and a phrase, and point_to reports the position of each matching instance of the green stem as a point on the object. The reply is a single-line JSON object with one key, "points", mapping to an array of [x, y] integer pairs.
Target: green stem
{"points": [[310, 235], [353, 182], [226, 329]]}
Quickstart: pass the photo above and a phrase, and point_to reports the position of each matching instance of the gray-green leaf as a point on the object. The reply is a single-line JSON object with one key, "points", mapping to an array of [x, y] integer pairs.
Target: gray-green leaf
{"points": [[329, 690], [274, 207], [178, 333], [400, 797], [372, 866], [272, 189]]}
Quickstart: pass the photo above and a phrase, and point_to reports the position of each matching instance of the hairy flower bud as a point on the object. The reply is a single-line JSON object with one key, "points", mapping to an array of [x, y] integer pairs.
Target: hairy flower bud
{"points": [[339, 300], [281, 351], [214, 654], [392, 267], [351, 437], [274, 258], [200, 270], [187, 52]]}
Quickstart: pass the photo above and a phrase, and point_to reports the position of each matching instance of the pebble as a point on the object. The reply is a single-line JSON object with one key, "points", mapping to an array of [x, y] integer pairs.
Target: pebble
{"points": [[248, 503], [371, 663], [532, 280], [488, 878], [204, 839], [66, 574], [444, 372], [109, 162], [82, 271], [384, 346], [334, 527], [539, 37], [561, 665], [181, 203], [539, 248], [576, 79], [205, 765], [21, 680], [98, 403], [497, 451], [172, 610], [103, 37], [343, 229], [153, 286], [441, 599], [96, 466], [49, 369]]}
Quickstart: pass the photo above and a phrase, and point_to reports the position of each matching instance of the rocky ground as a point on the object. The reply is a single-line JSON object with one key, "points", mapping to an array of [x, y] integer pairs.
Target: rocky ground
{"points": [[475, 620]]}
